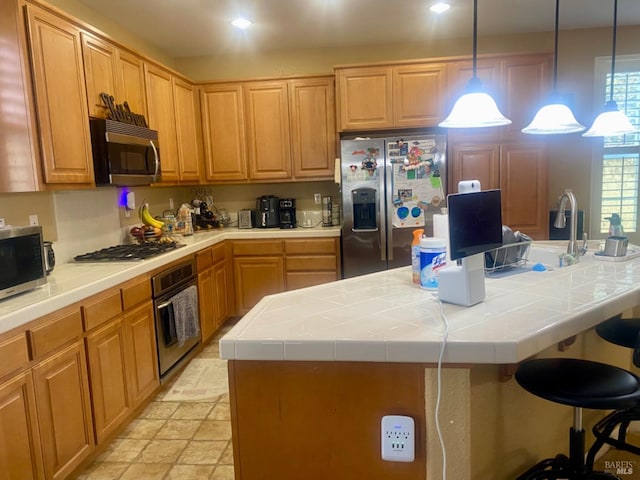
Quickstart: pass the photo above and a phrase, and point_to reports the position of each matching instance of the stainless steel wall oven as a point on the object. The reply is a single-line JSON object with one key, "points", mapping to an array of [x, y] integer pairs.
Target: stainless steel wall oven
{"points": [[173, 347]]}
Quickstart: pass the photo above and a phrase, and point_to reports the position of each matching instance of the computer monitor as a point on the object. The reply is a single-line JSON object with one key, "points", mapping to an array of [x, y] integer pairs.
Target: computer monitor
{"points": [[475, 222]]}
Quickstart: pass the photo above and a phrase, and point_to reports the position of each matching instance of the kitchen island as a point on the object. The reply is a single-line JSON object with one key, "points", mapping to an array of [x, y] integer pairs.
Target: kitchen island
{"points": [[313, 371]]}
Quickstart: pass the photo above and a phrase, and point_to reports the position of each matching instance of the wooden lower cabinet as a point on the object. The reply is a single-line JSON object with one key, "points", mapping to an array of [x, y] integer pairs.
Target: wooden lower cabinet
{"points": [[64, 410], [106, 354], [213, 299], [141, 353], [256, 277], [20, 451]]}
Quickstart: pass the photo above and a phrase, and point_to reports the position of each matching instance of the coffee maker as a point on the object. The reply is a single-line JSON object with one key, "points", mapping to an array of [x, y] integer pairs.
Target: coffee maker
{"points": [[287, 213], [267, 212]]}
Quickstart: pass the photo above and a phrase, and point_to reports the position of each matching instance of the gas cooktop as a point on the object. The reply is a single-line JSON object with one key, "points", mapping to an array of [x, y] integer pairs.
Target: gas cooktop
{"points": [[128, 253]]}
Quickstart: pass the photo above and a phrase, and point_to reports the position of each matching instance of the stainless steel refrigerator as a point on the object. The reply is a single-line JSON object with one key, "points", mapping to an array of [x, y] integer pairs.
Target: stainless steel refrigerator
{"points": [[390, 186]]}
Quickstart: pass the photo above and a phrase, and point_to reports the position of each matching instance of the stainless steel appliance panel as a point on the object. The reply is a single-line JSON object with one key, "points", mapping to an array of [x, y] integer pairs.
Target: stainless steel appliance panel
{"points": [[22, 261], [406, 176]]}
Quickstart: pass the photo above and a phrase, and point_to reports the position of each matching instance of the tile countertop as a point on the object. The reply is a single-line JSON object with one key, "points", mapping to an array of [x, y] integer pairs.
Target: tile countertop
{"points": [[383, 317], [72, 282]]}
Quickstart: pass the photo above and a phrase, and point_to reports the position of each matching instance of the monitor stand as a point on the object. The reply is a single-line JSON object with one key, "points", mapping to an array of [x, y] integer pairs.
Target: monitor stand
{"points": [[463, 284]]}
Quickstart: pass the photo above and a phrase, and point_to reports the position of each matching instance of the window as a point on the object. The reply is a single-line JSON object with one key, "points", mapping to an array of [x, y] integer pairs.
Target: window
{"points": [[616, 167]]}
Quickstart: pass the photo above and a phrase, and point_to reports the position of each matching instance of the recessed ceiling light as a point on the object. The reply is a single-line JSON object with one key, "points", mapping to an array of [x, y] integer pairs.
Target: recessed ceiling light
{"points": [[241, 23], [440, 7]]}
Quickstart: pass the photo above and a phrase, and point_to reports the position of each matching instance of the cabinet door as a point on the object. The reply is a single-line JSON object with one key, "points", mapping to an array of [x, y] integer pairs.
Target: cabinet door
{"points": [[206, 303], [224, 133], [17, 124], [418, 95], [162, 118], [131, 72], [106, 354], [61, 98], [100, 60], [268, 137], [221, 294], [313, 127], [141, 353], [475, 162], [364, 98], [188, 130], [256, 277], [525, 85], [523, 180], [20, 454], [64, 411]]}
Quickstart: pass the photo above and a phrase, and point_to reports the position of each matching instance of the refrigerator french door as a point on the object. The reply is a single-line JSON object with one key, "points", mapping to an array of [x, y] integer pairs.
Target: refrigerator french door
{"points": [[390, 187]]}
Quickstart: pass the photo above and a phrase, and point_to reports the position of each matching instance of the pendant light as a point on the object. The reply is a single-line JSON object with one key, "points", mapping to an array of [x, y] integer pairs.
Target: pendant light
{"points": [[555, 117], [612, 121], [475, 108]]}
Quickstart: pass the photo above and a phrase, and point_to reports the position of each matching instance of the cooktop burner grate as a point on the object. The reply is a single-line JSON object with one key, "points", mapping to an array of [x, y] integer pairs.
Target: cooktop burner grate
{"points": [[128, 253]]}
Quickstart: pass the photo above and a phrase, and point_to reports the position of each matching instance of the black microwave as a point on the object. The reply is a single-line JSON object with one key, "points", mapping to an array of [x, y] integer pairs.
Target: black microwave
{"points": [[124, 154], [22, 264]]}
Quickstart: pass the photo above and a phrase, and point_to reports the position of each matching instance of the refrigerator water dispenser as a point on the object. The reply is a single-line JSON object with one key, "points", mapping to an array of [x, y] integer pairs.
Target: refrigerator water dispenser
{"points": [[364, 209]]}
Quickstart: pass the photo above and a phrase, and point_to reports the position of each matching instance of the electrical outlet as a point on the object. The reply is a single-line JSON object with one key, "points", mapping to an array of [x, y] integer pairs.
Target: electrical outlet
{"points": [[398, 438], [33, 220], [1, 222], [171, 204], [317, 198]]}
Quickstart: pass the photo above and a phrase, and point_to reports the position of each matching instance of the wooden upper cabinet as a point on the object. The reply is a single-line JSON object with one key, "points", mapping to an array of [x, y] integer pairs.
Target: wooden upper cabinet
{"points": [[526, 82], [61, 101], [188, 130], [132, 85], [418, 95], [313, 127], [268, 135], [159, 83], [224, 132], [364, 98], [100, 59]]}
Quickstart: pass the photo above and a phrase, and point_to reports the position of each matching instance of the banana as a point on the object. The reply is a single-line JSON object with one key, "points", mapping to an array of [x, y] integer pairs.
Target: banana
{"points": [[146, 218]]}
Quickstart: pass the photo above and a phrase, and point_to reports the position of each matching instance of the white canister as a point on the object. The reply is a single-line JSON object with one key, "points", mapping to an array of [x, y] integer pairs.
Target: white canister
{"points": [[433, 256]]}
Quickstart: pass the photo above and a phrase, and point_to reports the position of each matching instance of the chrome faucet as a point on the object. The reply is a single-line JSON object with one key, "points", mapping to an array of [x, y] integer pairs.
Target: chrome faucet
{"points": [[561, 222]]}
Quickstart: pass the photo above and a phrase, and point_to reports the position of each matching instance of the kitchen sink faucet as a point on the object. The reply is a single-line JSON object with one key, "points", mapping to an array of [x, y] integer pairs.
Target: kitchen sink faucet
{"points": [[561, 222]]}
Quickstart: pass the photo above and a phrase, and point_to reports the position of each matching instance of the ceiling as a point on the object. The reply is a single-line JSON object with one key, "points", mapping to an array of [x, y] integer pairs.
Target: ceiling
{"points": [[201, 27]]}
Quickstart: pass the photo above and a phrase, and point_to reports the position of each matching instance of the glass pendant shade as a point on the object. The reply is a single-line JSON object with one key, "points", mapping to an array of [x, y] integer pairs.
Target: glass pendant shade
{"points": [[552, 119], [610, 123], [473, 110]]}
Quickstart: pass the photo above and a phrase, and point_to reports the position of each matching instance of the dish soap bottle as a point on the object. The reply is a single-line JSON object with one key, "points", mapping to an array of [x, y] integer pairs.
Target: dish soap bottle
{"points": [[615, 225], [415, 255]]}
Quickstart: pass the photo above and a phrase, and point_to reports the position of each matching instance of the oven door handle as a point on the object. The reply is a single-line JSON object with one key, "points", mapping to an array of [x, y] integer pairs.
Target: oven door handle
{"points": [[164, 305]]}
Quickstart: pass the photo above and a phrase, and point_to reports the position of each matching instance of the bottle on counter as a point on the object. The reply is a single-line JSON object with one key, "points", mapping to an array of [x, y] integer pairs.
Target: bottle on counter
{"points": [[433, 256], [415, 255]]}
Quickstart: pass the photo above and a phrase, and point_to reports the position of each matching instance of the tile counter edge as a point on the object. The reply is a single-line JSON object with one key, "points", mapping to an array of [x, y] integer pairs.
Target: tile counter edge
{"points": [[73, 282]]}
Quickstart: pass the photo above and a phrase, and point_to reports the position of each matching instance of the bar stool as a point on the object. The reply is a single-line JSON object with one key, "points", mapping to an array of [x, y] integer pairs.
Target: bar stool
{"points": [[579, 384], [626, 333]]}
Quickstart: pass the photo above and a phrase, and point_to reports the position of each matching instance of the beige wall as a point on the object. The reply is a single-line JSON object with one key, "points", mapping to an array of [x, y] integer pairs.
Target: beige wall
{"points": [[82, 12]]}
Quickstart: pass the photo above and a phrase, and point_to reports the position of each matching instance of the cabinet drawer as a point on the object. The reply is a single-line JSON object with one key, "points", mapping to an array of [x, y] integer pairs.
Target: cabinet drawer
{"points": [[219, 252], [306, 246], [310, 263], [136, 292], [14, 354], [308, 279], [101, 308], [204, 259], [257, 247], [60, 329]]}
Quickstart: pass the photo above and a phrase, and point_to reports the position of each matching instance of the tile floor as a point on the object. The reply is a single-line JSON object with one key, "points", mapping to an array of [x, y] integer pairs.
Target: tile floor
{"points": [[172, 440]]}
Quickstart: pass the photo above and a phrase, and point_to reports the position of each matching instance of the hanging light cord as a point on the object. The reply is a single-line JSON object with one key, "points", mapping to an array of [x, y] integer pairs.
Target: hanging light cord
{"points": [[555, 49], [475, 38], [613, 53]]}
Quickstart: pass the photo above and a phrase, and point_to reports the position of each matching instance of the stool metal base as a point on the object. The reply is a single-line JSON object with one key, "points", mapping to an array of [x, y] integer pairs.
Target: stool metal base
{"points": [[569, 468], [603, 432]]}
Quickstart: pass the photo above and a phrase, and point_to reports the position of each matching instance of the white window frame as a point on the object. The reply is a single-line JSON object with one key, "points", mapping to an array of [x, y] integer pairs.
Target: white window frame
{"points": [[624, 63]]}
